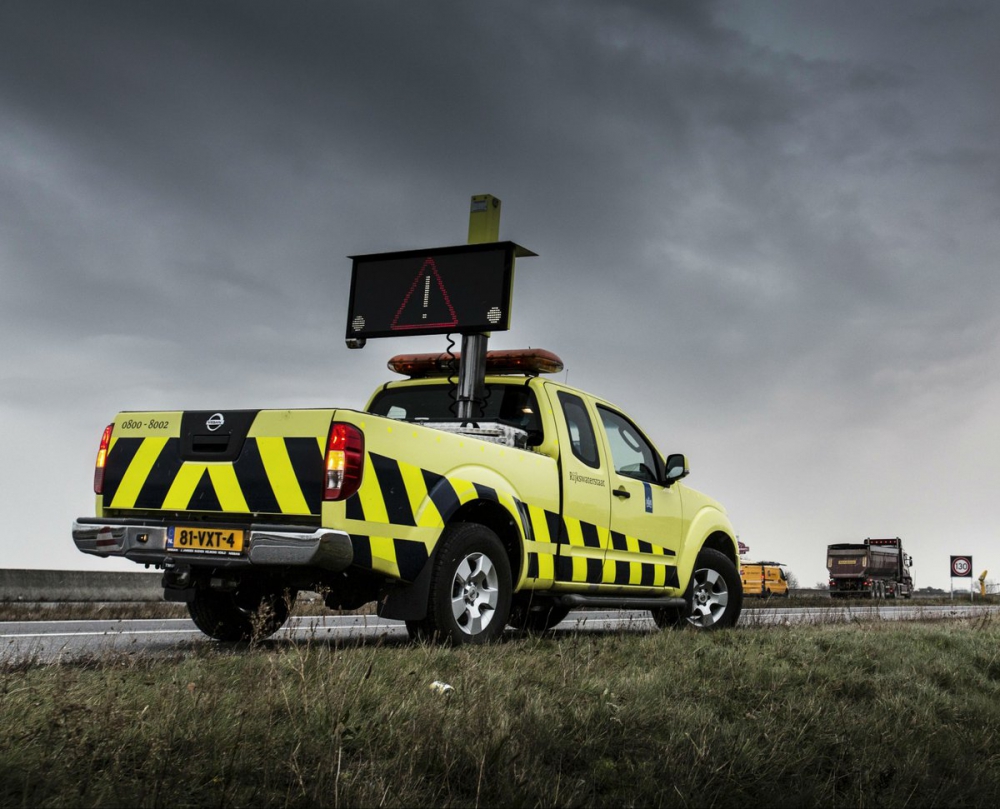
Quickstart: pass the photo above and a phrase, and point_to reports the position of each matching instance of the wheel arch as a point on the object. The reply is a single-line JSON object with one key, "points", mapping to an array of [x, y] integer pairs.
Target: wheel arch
{"points": [[498, 519], [718, 536], [408, 600], [725, 544]]}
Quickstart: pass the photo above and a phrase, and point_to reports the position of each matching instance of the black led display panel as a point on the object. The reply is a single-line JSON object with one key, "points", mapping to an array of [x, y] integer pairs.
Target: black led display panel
{"points": [[464, 289]]}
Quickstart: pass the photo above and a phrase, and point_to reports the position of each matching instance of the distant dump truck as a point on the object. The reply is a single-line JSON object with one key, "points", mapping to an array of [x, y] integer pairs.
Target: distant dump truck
{"points": [[876, 568], [764, 579]]}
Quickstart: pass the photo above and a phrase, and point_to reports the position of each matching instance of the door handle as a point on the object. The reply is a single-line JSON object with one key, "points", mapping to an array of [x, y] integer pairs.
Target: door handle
{"points": [[623, 493]]}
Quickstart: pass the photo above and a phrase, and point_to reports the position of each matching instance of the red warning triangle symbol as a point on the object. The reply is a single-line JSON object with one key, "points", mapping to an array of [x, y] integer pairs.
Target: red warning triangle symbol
{"points": [[427, 304]]}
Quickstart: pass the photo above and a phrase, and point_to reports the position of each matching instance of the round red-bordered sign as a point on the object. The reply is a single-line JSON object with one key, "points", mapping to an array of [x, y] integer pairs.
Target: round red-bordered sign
{"points": [[961, 566]]}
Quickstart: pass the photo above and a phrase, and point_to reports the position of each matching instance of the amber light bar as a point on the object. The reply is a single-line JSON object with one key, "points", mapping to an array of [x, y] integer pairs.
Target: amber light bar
{"points": [[528, 361]]}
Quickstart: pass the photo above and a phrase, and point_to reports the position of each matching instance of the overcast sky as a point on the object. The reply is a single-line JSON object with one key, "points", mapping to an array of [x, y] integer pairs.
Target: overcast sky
{"points": [[767, 230]]}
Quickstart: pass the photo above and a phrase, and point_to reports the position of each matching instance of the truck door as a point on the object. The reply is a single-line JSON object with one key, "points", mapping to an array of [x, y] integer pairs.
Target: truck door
{"points": [[646, 517], [586, 506]]}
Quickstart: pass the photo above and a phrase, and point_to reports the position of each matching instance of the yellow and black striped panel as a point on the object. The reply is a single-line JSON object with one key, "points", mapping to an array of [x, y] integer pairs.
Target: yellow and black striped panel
{"points": [[657, 568], [272, 475], [542, 546], [400, 510], [397, 516]]}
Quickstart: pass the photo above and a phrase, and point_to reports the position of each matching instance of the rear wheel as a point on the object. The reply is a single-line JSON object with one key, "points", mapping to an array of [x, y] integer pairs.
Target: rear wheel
{"points": [[470, 591], [715, 595], [250, 612]]}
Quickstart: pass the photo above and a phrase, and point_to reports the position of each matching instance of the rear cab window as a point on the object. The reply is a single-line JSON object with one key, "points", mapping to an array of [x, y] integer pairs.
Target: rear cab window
{"points": [[514, 405], [581, 431]]}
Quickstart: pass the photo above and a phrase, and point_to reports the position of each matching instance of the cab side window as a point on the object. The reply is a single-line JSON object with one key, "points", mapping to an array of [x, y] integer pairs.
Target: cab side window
{"points": [[631, 453], [581, 430]]}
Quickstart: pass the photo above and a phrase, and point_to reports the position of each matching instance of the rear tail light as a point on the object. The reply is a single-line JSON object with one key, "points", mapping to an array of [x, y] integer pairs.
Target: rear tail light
{"points": [[345, 461], [102, 459]]}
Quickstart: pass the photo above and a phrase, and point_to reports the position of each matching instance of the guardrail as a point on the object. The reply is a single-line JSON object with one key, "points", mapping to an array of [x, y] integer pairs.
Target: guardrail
{"points": [[54, 586], [824, 593], [40, 586]]}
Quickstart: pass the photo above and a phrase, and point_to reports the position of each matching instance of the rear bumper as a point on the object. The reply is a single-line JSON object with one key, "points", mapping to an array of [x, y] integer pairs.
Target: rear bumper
{"points": [[266, 545]]}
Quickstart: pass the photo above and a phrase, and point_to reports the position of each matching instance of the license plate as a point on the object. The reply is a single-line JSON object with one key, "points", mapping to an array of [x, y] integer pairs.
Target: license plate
{"points": [[847, 561], [210, 541]]}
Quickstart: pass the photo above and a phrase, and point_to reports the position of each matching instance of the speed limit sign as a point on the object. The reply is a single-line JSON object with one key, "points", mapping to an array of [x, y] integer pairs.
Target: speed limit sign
{"points": [[961, 567]]}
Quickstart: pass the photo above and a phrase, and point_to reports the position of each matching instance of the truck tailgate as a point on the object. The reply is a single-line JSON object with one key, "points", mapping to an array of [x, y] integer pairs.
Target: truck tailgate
{"points": [[229, 462]]}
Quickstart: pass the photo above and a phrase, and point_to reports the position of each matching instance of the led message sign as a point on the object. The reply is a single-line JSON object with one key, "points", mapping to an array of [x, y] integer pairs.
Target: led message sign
{"points": [[464, 289]]}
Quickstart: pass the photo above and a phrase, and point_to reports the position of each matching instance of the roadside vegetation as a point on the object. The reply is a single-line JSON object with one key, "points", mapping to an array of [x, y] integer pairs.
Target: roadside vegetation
{"points": [[861, 714]]}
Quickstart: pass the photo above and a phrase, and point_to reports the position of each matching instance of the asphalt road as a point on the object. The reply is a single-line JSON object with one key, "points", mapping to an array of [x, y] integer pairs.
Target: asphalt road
{"points": [[65, 641]]}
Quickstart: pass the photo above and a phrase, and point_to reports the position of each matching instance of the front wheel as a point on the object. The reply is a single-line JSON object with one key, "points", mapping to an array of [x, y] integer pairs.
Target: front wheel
{"points": [[250, 612], [715, 595], [470, 591]]}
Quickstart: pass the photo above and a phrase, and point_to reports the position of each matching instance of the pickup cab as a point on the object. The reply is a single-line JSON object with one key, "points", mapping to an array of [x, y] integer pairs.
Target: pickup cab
{"points": [[548, 499]]}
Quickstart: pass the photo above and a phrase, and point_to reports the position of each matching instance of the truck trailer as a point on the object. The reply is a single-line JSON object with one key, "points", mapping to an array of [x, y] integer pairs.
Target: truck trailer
{"points": [[876, 568]]}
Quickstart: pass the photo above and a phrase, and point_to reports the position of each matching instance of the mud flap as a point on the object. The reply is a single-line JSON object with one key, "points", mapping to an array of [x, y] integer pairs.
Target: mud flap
{"points": [[407, 601]]}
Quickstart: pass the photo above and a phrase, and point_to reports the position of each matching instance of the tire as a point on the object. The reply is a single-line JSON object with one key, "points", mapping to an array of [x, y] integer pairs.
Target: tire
{"points": [[536, 618], [251, 612], [714, 596], [470, 592]]}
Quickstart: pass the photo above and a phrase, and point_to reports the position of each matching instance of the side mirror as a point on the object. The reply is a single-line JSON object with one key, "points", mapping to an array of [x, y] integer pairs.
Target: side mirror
{"points": [[676, 468]]}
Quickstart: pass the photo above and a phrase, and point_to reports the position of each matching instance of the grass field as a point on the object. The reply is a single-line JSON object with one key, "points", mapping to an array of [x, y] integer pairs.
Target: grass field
{"points": [[869, 714]]}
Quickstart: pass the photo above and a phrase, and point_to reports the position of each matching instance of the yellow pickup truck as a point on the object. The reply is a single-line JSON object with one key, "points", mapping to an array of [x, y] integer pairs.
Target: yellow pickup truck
{"points": [[548, 499]]}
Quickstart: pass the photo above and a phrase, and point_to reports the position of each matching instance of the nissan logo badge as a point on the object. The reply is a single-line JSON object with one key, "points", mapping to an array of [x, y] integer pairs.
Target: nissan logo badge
{"points": [[215, 421]]}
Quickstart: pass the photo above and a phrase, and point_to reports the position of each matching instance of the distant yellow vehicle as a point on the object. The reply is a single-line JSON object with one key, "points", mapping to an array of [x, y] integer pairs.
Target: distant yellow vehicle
{"points": [[764, 579]]}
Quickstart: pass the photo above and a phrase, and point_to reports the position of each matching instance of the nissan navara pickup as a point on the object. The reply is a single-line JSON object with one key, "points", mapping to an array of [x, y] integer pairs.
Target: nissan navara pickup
{"points": [[549, 499]]}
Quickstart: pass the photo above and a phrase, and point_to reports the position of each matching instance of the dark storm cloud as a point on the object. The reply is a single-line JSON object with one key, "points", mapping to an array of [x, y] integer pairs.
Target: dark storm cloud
{"points": [[196, 132]]}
